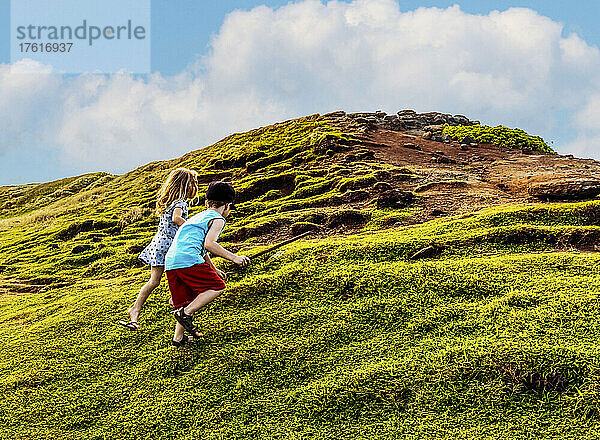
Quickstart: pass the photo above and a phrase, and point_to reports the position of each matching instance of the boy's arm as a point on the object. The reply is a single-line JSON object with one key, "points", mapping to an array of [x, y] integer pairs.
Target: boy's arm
{"points": [[177, 216], [211, 245]]}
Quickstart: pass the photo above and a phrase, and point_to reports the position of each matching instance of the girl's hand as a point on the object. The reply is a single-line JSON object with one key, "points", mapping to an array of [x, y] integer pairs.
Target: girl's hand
{"points": [[222, 274], [241, 260]]}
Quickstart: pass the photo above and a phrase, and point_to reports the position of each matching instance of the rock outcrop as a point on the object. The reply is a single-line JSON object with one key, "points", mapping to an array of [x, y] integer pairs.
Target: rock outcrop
{"points": [[566, 189], [406, 120]]}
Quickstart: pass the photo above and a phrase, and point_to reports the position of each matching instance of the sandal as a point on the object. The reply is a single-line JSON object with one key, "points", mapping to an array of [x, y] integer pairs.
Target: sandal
{"points": [[131, 325], [187, 322], [184, 340]]}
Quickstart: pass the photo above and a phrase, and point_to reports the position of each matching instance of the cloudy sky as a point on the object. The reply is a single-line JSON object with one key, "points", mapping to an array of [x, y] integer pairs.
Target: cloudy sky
{"points": [[236, 65]]}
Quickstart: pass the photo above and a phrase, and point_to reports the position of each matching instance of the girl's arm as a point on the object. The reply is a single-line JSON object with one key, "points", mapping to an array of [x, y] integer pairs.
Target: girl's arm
{"points": [[211, 245], [177, 216]]}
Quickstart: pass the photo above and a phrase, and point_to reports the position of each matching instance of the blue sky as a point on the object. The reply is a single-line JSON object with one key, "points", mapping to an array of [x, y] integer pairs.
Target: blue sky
{"points": [[181, 33]]}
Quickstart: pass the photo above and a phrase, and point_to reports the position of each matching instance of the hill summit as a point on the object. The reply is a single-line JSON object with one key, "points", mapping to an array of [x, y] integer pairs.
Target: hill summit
{"points": [[448, 288]]}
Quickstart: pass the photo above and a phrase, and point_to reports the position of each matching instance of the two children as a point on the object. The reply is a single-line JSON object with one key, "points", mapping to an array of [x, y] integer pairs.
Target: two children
{"points": [[181, 249], [194, 281], [172, 208]]}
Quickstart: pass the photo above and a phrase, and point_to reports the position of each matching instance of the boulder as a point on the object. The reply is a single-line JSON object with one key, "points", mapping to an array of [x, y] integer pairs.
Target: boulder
{"points": [[439, 120], [440, 137], [437, 212], [438, 127], [395, 199], [382, 175], [337, 114], [81, 248], [135, 249], [443, 160], [348, 217], [575, 188], [403, 113], [362, 115], [365, 154], [461, 120], [382, 187]]}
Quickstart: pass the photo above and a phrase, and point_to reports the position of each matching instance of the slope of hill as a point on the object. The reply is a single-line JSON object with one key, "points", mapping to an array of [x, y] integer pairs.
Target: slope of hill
{"points": [[409, 313]]}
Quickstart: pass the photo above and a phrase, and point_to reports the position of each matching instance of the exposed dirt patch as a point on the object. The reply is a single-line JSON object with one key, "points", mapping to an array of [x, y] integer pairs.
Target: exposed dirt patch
{"points": [[88, 225], [284, 183], [347, 217], [20, 287], [447, 177], [473, 177], [534, 380], [246, 232]]}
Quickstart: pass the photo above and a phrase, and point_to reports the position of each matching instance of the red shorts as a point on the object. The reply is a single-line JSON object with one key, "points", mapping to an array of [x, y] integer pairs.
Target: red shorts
{"points": [[187, 283]]}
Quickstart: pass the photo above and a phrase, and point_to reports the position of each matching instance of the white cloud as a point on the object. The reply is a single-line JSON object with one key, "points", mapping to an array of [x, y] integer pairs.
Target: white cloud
{"points": [[587, 123], [512, 67], [26, 88]]}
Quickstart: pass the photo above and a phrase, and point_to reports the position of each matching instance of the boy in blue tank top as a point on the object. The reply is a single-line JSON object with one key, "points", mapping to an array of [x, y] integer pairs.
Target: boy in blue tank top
{"points": [[194, 281]]}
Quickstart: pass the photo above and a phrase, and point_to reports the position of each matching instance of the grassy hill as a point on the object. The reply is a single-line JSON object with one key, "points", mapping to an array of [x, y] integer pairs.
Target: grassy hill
{"points": [[348, 334]]}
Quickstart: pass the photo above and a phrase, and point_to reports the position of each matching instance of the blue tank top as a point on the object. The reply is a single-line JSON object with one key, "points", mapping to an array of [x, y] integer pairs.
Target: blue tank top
{"points": [[187, 248]]}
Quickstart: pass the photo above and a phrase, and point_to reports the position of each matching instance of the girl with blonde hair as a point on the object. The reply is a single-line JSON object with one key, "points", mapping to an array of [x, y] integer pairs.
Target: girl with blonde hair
{"points": [[172, 208]]}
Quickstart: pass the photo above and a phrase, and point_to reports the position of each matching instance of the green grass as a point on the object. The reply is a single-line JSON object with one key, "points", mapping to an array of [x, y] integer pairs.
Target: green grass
{"points": [[340, 337], [499, 135], [337, 338]]}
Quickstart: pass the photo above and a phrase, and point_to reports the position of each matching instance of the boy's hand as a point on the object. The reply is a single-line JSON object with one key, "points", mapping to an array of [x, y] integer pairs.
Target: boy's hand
{"points": [[222, 274], [241, 260]]}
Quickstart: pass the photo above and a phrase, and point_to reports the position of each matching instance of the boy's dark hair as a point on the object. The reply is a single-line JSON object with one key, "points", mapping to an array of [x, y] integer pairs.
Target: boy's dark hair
{"points": [[219, 193], [215, 204]]}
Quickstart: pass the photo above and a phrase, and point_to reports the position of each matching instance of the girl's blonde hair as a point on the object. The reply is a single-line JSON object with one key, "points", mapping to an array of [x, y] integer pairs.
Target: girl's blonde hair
{"points": [[181, 184]]}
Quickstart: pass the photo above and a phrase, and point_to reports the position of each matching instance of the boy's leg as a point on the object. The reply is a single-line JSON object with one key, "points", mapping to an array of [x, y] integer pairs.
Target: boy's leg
{"points": [[205, 285], [182, 295], [201, 300], [179, 332], [155, 275]]}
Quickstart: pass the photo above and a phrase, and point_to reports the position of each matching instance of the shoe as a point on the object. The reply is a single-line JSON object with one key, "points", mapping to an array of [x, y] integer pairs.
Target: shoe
{"points": [[187, 321], [184, 340], [131, 325]]}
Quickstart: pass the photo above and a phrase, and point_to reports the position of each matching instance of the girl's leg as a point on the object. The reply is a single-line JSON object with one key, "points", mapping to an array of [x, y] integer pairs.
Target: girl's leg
{"points": [[145, 291]]}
